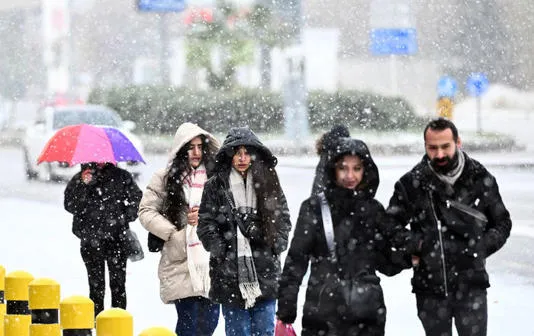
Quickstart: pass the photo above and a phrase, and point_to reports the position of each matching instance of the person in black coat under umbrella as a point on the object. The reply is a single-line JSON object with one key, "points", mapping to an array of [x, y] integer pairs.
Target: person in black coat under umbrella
{"points": [[363, 237], [104, 199]]}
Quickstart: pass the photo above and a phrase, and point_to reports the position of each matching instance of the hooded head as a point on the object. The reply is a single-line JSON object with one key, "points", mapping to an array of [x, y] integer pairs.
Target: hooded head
{"points": [[243, 136], [187, 132], [328, 140], [347, 146]]}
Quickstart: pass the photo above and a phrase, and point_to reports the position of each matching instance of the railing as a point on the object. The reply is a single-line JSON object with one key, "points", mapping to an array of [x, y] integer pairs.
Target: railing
{"points": [[32, 307]]}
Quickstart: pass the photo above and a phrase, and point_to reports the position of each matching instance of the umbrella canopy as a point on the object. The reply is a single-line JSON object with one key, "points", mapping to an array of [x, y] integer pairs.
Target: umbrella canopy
{"points": [[86, 143]]}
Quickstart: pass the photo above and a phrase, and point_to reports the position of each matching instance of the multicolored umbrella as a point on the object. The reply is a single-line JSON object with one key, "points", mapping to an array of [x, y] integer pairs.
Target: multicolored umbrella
{"points": [[86, 143]]}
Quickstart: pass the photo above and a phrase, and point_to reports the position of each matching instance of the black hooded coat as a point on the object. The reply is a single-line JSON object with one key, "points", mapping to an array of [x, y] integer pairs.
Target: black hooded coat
{"points": [[362, 233], [103, 208], [217, 228]]}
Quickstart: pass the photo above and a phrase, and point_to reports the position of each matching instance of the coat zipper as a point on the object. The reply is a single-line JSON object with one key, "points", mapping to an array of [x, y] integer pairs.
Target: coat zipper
{"points": [[438, 223]]}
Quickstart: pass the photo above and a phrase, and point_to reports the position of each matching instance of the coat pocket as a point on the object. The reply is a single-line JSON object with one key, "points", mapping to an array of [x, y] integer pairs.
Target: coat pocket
{"points": [[175, 247]]}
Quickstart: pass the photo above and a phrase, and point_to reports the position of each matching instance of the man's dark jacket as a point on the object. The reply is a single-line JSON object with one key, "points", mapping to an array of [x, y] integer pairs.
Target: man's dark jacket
{"points": [[103, 208], [458, 226], [217, 228]]}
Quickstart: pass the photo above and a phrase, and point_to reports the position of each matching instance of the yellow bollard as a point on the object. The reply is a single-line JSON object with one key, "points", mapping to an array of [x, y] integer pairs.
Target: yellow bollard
{"points": [[2, 295], [18, 319], [157, 331], [114, 322], [44, 306], [77, 316]]}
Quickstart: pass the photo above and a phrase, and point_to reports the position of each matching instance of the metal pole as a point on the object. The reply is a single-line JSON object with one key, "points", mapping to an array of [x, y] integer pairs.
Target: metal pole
{"points": [[479, 113], [295, 95], [393, 74], [164, 51]]}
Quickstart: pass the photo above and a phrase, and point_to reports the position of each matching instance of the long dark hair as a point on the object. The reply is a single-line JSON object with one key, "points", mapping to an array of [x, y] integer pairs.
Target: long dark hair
{"points": [[175, 204], [268, 191]]}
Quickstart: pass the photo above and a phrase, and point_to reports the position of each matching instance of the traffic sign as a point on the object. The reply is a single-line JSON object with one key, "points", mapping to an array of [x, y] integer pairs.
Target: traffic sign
{"points": [[447, 87], [393, 41], [477, 84], [161, 5], [445, 107]]}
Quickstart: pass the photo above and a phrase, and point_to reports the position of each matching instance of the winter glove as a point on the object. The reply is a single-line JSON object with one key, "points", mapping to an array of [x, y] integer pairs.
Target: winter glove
{"points": [[249, 224]]}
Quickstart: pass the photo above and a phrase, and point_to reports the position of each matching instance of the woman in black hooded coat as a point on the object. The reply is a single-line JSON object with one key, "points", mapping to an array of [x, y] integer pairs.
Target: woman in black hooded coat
{"points": [[363, 238], [244, 282]]}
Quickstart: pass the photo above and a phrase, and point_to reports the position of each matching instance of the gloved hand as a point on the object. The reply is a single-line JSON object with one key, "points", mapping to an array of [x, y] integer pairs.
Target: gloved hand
{"points": [[249, 224]]}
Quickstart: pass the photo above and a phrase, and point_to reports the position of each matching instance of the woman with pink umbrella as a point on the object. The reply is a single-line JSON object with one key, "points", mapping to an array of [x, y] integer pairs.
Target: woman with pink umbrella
{"points": [[103, 199]]}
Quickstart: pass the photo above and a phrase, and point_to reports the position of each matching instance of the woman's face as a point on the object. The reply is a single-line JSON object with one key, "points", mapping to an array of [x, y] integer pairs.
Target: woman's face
{"points": [[349, 171], [194, 152], [241, 160]]}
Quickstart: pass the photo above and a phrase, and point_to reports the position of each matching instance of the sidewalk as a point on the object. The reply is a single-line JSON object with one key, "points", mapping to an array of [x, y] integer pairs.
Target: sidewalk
{"points": [[516, 159]]}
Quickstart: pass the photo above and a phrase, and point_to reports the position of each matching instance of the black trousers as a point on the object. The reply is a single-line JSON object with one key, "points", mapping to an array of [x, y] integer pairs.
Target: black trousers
{"points": [[96, 254], [338, 328], [469, 309]]}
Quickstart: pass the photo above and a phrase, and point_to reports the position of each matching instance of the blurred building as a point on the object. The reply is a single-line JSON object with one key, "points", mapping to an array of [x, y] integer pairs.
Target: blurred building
{"points": [[112, 43]]}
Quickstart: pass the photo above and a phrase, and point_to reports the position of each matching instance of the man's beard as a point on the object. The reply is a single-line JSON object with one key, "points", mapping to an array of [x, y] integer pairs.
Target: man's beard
{"points": [[450, 164]]}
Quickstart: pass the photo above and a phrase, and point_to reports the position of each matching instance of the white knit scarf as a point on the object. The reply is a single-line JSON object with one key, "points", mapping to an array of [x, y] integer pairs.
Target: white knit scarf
{"points": [[245, 201], [197, 257]]}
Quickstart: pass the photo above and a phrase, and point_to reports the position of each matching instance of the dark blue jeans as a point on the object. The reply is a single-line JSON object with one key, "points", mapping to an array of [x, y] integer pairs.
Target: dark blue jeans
{"points": [[197, 316], [255, 321]]}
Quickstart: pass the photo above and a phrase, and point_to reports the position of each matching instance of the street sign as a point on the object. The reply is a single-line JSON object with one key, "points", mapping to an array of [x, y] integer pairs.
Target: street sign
{"points": [[447, 87], [477, 84], [393, 41], [161, 5], [445, 107]]}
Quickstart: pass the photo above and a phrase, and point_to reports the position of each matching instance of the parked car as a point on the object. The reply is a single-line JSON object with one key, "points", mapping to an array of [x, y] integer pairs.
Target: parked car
{"points": [[49, 119]]}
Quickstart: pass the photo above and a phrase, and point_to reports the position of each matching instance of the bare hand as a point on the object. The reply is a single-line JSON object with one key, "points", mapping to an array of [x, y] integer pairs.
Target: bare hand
{"points": [[416, 259], [87, 176], [192, 216]]}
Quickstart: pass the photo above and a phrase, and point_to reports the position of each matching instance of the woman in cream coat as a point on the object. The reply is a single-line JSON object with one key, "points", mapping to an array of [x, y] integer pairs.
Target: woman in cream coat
{"points": [[169, 210]]}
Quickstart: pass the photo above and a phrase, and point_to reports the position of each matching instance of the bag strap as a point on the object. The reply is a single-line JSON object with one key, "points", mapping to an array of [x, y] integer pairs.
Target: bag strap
{"points": [[229, 199], [328, 226]]}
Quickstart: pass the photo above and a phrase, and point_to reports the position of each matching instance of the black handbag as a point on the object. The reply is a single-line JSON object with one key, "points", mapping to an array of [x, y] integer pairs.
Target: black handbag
{"points": [[359, 298], [464, 220], [135, 250], [155, 243]]}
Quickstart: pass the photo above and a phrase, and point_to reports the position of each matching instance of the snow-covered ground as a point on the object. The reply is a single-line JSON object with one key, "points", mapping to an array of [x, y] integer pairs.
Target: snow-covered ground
{"points": [[36, 238]]}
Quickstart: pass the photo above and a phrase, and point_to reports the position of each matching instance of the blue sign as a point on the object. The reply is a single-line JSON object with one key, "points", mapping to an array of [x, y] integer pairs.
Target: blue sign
{"points": [[477, 84], [393, 41], [161, 5], [447, 87]]}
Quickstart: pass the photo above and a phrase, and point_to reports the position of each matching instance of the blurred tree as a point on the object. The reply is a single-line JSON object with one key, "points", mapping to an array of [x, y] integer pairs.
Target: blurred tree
{"points": [[220, 44], [269, 30]]}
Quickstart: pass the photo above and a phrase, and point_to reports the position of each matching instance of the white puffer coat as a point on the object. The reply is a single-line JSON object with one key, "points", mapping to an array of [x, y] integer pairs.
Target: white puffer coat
{"points": [[173, 272]]}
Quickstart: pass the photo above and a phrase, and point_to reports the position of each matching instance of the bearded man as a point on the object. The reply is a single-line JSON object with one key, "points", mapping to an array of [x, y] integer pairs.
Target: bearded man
{"points": [[457, 219]]}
